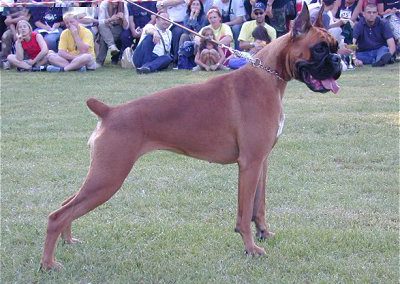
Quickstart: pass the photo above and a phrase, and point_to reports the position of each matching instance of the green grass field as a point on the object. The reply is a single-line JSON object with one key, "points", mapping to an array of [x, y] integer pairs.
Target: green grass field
{"points": [[333, 191]]}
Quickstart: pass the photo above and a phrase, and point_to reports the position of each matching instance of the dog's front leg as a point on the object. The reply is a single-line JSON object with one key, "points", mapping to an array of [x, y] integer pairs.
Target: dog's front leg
{"points": [[259, 206], [249, 174]]}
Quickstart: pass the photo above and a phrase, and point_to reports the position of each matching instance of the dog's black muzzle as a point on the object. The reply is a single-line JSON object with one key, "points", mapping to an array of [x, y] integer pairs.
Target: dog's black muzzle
{"points": [[322, 70]]}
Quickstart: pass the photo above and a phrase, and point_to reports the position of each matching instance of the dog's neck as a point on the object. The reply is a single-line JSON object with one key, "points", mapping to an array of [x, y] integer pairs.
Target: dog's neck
{"points": [[275, 56]]}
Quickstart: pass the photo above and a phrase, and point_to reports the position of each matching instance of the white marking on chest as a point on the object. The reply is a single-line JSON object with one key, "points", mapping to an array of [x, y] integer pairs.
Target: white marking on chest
{"points": [[281, 124]]}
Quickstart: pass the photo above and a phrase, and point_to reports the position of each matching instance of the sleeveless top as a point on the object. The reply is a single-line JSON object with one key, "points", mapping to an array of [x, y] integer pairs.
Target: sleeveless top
{"points": [[31, 47]]}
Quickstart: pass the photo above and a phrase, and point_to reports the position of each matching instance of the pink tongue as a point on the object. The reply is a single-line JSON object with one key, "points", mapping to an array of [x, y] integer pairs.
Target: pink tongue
{"points": [[330, 84]]}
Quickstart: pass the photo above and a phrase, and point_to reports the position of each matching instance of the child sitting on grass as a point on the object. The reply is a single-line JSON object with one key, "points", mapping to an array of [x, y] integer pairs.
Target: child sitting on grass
{"points": [[209, 56], [261, 39]]}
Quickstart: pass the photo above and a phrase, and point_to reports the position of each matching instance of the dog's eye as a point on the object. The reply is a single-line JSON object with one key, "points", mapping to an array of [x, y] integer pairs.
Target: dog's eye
{"points": [[319, 49]]}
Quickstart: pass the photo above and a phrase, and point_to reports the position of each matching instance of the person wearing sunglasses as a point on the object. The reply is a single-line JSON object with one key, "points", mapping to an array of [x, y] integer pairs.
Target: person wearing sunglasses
{"points": [[246, 39]]}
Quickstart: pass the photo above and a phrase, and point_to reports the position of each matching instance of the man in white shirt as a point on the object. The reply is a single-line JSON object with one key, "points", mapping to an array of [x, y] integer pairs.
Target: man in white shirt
{"points": [[233, 14], [153, 51], [176, 10]]}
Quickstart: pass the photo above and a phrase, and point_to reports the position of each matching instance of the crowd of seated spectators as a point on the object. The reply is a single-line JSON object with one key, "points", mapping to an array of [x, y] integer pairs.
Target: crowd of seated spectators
{"points": [[80, 35]]}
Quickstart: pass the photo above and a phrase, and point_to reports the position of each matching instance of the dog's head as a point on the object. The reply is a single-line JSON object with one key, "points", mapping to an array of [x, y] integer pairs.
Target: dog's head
{"points": [[312, 54]]}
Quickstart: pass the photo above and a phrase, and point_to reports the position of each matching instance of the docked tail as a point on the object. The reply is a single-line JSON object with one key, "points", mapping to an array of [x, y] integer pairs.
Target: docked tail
{"points": [[99, 108]]}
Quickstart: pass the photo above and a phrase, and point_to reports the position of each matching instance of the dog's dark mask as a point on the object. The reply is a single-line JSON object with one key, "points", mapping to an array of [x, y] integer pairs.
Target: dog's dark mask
{"points": [[320, 71], [324, 67]]}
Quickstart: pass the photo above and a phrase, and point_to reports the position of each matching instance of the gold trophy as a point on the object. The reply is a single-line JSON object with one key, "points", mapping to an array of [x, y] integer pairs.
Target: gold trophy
{"points": [[353, 47]]}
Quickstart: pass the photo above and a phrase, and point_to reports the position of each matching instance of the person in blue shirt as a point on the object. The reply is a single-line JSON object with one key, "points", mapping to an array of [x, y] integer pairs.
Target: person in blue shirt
{"points": [[374, 39]]}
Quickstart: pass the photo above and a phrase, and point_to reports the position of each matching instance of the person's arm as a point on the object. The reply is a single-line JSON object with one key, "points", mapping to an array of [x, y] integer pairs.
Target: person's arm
{"points": [[19, 51], [246, 45], [227, 40], [66, 55], [43, 49], [169, 3], [41, 25], [235, 21], [10, 21], [151, 30], [392, 45], [336, 7], [357, 11], [268, 10], [81, 46], [62, 48], [221, 56], [125, 17]]}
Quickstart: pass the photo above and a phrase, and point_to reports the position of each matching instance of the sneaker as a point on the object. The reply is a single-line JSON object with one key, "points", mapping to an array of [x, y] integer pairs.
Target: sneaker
{"points": [[52, 68], [224, 68], [383, 60], [82, 69], [40, 68], [6, 65], [114, 50], [22, 69], [196, 68], [143, 70]]}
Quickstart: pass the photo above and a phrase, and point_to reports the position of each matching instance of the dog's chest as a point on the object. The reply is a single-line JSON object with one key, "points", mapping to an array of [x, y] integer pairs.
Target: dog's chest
{"points": [[281, 124]]}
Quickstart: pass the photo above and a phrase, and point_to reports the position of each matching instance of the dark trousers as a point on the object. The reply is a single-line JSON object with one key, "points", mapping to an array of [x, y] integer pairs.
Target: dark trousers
{"points": [[143, 56], [176, 36]]}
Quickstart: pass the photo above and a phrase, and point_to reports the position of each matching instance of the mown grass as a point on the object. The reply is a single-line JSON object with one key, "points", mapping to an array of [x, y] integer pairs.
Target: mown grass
{"points": [[333, 191]]}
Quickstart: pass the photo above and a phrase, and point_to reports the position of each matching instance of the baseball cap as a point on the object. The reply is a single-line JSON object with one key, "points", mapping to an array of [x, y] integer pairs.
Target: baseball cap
{"points": [[259, 6]]}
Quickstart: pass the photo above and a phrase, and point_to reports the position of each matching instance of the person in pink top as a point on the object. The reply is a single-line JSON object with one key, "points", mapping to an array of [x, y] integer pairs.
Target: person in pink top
{"points": [[30, 49]]}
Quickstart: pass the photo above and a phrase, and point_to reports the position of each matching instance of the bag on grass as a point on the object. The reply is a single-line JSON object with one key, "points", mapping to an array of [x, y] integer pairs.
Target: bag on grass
{"points": [[126, 59]]}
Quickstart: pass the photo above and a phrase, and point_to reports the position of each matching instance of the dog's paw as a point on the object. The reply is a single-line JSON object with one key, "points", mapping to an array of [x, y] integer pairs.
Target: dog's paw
{"points": [[72, 241], [262, 235], [54, 266], [255, 250]]}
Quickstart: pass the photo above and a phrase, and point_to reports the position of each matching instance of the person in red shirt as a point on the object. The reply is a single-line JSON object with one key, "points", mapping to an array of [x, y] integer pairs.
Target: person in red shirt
{"points": [[30, 49]]}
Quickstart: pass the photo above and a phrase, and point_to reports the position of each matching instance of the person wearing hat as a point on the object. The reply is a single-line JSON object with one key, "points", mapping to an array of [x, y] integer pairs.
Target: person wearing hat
{"points": [[246, 40]]}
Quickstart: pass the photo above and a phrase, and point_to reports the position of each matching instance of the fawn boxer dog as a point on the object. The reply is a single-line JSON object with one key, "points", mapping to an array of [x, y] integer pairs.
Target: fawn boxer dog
{"points": [[232, 118]]}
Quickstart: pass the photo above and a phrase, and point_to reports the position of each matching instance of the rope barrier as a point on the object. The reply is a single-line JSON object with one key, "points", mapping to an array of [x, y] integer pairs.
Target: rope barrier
{"points": [[179, 25], [39, 4]]}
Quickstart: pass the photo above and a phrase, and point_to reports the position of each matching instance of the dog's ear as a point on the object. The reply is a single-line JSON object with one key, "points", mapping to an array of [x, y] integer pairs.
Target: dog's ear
{"points": [[318, 21], [302, 23]]}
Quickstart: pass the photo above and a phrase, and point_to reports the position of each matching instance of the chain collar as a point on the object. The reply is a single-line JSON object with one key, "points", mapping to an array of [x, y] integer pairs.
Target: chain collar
{"points": [[256, 62]]}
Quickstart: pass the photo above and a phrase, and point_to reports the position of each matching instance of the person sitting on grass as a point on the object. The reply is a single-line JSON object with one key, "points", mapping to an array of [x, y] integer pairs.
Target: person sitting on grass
{"points": [[209, 57], [260, 39], [374, 39], [75, 50], [153, 52], [30, 49]]}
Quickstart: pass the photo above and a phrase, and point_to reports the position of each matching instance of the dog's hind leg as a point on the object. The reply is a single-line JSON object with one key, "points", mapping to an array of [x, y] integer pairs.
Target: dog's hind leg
{"points": [[249, 174], [112, 161], [259, 206], [66, 234]]}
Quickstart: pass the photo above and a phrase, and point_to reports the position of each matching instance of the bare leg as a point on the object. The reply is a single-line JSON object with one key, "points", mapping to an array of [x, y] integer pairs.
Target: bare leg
{"points": [[56, 59], [214, 56], [79, 61], [12, 58]]}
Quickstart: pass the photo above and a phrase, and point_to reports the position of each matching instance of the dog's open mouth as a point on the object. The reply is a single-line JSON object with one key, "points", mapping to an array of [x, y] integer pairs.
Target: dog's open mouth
{"points": [[322, 86]]}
